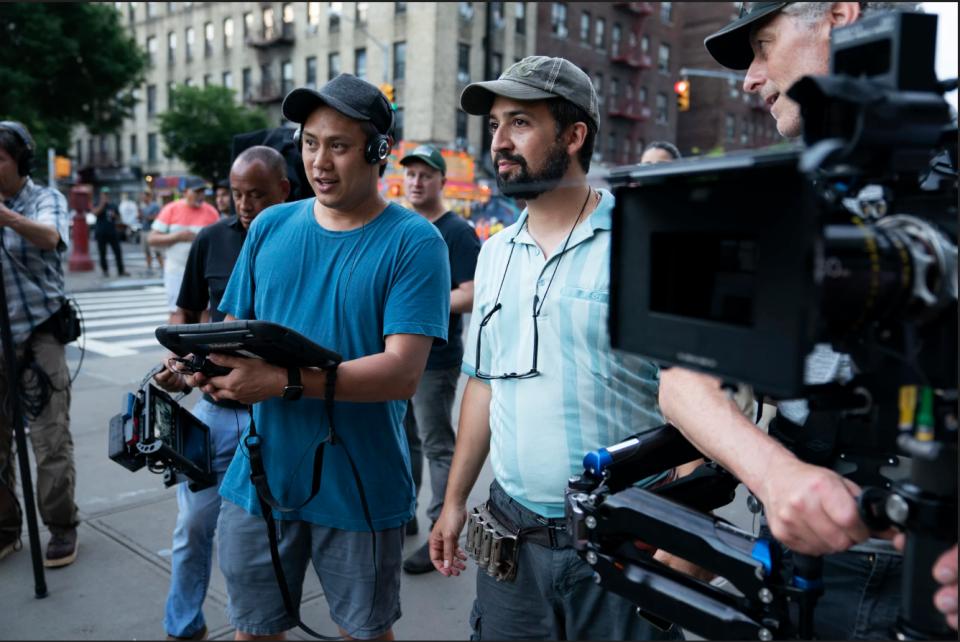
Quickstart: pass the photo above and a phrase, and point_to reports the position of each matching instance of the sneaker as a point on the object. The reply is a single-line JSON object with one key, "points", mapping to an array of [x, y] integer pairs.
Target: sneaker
{"points": [[412, 527], [201, 634], [62, 548], [419, 561], [123, 274], [9, 543]]}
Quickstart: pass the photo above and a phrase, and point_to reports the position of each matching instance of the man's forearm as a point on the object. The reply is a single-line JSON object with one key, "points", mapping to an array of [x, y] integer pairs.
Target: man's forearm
{"points": [[374, 378], [181, 316], [461, 298], [473, 443], [697, 405], [43, 236], [159, 239]]}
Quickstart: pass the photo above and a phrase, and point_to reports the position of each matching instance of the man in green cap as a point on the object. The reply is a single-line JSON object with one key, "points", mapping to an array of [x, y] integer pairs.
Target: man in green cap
{"points": [[545, 386], [810, 509], [428, 422]]}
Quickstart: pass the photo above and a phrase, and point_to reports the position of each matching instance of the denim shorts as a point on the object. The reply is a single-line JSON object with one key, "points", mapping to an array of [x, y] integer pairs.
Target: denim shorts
{"points": [[364, 601]]}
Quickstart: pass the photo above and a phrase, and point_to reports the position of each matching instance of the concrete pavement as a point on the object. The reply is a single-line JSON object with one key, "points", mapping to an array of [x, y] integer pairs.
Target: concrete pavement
{"points": [[117, 587]]}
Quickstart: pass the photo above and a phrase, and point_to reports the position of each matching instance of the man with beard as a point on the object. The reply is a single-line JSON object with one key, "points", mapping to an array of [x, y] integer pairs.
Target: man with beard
{"points": [[545, 386], [258, 180]]}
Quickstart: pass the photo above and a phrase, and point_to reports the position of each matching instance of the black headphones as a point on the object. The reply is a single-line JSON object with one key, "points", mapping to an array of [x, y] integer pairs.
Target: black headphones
{"points": [[26, 156], [377, 148]]}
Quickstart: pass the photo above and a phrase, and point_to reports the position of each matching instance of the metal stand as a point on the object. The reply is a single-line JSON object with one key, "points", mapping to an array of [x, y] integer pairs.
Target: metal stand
{"points": [[16, 420]]}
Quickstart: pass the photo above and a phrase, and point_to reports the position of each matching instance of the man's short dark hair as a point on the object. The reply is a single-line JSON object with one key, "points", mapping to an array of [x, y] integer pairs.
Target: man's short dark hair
{"points": [[11, 143], [668, 147], [271, 159], [566, 114]]}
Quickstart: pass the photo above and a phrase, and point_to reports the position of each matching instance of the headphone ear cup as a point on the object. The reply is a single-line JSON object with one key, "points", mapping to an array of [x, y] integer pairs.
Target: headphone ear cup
{"points": [[378, 148]]}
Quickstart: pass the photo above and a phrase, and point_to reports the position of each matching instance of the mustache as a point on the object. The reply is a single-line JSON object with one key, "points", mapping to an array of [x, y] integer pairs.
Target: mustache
{"points": [[513, 158]]}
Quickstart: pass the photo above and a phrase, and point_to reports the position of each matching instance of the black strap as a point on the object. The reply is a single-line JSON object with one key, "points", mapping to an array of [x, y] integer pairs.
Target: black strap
{"points": [[258, 477]]}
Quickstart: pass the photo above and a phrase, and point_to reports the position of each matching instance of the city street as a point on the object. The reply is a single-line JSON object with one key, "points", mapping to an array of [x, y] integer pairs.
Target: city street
{"points": [[117, 587]]}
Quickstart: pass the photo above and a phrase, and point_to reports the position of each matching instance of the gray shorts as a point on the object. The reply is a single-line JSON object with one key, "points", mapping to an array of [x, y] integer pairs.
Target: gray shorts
{"points": [[343, 560]]}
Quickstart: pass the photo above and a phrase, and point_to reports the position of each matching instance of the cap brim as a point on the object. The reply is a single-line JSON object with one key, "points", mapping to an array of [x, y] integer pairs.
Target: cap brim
{"points": [[730, 46], [301, 102], [424, 159], [477, 98]]}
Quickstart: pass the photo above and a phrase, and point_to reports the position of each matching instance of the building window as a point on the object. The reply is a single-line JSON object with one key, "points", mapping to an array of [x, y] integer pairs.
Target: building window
{"points": [[131, 13], [134, 148], [151, 9], [599, 34], [333, 23], [152, 147], [642, 96], [171, 47], [190, 40], [520, 12], [730, 126], [463, 63], [662, 109], [399, 60], [663, 58], [615, 34], [496, 65], [91, 157], [311, 72], [227, 34], [151, 101], [462, 127], [79, 152], [266, 79], [360, 63], [644, 42], [333, 66], [612, 146], [666, 12], [207, 80], [362, 9], [246, 81], [247, 26], [188, 82], [466, 11], [732, 85], [152, 50], [399, 7], [287, 15], [585, 26], [228, 79], [628, 94], [208, 39], [614, 89], [638, 149], [398, 123], [598, 85], [286, 77], [170, 94], [269, 28], [313, 15], [558, 19]]}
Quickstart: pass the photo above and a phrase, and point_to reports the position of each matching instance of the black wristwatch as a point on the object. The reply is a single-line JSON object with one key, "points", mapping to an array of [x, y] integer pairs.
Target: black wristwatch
{"points": [[294, 388]]}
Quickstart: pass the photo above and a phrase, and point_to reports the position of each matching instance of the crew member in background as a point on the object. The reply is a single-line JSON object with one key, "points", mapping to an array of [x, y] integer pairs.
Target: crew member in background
{"points": [[222, 199], [105, 228], [174, 230], [258, 179], [149, 208], [428, 421], [659, 151]]}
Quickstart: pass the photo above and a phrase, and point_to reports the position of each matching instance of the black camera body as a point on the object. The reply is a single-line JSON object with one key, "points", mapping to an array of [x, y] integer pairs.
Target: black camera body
{"points": [[154, 431]]}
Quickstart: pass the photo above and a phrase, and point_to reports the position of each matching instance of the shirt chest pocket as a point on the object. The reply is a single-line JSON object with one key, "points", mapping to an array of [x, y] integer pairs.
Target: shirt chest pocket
{"points": [[586, 310]]}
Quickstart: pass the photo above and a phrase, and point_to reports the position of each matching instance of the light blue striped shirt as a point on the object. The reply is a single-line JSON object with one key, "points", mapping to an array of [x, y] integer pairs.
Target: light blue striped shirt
{"points": [[587, 395]]}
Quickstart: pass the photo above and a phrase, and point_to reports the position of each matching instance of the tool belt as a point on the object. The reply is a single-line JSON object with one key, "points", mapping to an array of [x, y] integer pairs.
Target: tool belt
{"points": [[494, 542]]}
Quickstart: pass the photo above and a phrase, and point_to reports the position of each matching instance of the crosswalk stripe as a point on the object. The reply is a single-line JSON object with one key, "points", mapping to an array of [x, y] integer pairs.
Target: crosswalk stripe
{"points": [[112, 314], [106, 295], [123, 332], [107, 349], [146, 318], [121, 306], [140, 343]]}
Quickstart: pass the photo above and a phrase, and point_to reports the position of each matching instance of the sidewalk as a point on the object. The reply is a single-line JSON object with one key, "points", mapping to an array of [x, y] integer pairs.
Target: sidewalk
{"points": [[94, 279]]}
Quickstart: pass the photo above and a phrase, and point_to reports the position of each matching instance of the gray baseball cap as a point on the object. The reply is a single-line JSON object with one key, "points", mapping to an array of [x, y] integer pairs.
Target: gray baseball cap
{"points": [[351, 96], [730, 46], [429, 155], [535, 78]]}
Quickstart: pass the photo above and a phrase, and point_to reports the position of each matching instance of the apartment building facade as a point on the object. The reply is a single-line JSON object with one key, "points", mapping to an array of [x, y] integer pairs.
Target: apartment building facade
{"points": [[427, 51]]}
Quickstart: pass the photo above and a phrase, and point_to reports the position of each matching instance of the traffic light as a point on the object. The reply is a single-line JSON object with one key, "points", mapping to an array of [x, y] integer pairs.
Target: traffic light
{"points": [[682, 87], [388, 91]]}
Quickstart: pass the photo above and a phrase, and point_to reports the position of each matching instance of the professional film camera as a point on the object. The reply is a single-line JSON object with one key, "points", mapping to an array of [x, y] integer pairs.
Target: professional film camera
{"points": [[153, 430], [750, 266]]}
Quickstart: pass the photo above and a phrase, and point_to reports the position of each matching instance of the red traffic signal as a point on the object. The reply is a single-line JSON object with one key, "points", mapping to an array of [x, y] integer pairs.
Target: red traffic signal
{"points": [[681, 86]]}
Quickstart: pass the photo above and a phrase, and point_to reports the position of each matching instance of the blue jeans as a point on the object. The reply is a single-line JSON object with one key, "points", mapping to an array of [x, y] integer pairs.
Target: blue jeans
{"points": [[196, 524]]}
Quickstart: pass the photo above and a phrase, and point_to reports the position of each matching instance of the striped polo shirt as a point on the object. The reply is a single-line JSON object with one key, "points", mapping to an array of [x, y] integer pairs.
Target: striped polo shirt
{"points": [[33, 278], [587, 396]]}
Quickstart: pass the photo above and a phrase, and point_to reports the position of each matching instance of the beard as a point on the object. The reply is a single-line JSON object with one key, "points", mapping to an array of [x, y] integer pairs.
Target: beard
{"points": [[529, 185]]}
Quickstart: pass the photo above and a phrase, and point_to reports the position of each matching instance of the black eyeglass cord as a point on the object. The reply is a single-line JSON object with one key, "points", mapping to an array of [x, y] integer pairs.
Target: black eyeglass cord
{"points": [[563, 250]]}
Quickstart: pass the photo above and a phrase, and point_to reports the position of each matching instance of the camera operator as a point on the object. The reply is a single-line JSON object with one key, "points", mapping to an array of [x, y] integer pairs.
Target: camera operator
{"points": [[541, 289], [372, 281], [810, 509], [258, 180], [34, 227]]}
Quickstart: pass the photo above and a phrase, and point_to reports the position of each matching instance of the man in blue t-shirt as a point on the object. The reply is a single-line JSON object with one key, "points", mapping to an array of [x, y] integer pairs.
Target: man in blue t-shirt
{"points": [[369, 280]]}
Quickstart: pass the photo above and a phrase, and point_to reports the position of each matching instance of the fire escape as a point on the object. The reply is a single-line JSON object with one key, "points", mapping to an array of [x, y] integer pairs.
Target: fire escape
{"points": [[629, 55], [270, 39]]}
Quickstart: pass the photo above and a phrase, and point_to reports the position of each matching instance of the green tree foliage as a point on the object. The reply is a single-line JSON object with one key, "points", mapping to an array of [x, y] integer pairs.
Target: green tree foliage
{"points": [[200, 125], [65, 64]]}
